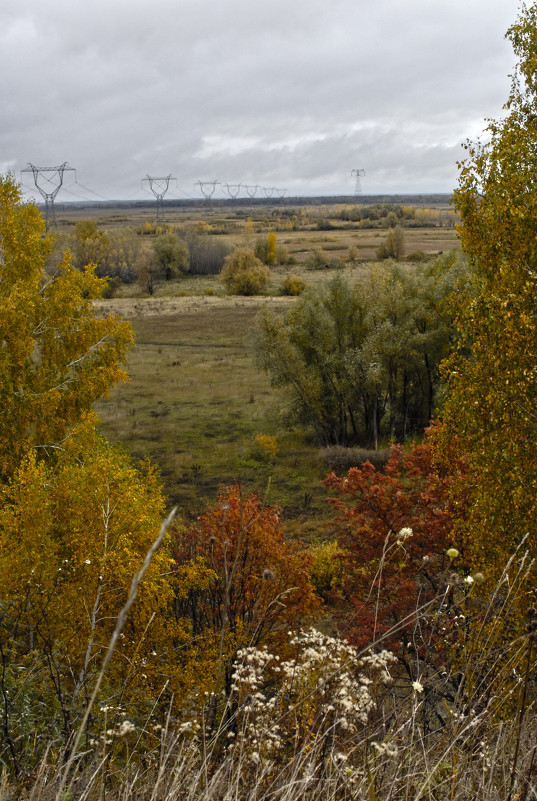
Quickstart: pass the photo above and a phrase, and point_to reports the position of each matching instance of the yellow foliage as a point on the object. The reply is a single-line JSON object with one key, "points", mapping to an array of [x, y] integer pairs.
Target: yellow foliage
{"points": [[57, 356], [492, 376], [266, 444]]}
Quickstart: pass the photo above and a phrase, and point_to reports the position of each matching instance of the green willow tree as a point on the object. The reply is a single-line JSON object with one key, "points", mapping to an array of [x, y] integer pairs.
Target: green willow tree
{"points": [[493, 374], [361, 363]]}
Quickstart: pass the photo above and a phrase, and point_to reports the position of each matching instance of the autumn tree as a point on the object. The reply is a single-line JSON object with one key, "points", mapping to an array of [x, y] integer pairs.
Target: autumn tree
{"points": [[265, 248], [393, 246], [258, 584], [492, 376], [57, 355], [171, 255], [72, 535], [115, 253], [76, 517], [393, 529]]}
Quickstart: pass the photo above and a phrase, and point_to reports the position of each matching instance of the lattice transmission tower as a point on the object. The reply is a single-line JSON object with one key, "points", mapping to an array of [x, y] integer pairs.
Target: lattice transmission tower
{"points": [[358, 184], [207, 189], [48, 182], [233, 190], [159, 186]]}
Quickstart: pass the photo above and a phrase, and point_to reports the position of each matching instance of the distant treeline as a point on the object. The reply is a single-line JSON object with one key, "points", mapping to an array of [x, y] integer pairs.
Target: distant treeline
{"points": [[389, 215], [327, 200]]}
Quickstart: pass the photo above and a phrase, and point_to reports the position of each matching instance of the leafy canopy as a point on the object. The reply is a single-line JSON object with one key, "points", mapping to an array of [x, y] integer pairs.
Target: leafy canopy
{"points": [[493, 374], [361, 362], [57, 356]]}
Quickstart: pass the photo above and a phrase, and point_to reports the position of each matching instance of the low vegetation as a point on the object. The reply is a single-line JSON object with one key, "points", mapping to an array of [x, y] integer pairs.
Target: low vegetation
{"points": [[244, 273]]}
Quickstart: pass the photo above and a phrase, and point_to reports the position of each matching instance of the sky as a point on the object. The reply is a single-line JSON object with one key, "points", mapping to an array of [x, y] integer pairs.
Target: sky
{"points": [[285, 95]]}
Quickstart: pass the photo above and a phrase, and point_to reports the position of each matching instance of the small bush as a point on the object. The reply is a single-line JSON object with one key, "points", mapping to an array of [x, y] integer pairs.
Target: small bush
{"points": [[393, 246], [244, 273], [417, 255], [341, 459], [293, 285], [282, 254], [327, 569], [317, 260], [265, 447]]}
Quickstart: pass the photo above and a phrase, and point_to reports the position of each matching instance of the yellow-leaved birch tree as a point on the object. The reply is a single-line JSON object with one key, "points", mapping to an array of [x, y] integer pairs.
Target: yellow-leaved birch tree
{"points": [[492, 396]]}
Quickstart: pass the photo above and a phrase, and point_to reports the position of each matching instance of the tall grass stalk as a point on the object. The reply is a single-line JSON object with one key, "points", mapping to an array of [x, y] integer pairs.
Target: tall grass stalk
{"points": [[121, 620]]}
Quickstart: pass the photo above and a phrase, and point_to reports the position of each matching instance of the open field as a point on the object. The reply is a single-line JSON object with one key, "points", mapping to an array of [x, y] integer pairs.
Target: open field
{"points": [[195, 401], [299, 229]]}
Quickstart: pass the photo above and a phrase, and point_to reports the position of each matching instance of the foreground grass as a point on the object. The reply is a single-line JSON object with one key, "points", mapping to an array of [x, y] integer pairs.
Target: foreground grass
{"points": [[330, 723]]}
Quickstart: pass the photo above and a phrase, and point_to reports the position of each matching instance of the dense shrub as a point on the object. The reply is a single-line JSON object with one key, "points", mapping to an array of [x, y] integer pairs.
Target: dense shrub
{"points": [[257, 581], [244, 273], [293, 285], [171, 255], [361, 362], [207, 253], [394, 528]]}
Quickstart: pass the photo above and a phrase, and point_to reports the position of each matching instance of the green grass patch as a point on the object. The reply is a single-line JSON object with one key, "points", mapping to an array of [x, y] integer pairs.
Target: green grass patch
{"points": [[194, 405]]}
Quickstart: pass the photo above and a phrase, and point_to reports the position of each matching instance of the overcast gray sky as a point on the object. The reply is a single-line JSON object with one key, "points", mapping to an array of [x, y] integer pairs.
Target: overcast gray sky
{"points": [[292, 94]]}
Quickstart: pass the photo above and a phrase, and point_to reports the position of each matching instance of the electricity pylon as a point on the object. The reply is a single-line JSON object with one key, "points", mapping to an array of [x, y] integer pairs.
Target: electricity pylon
{"points": [[159, 186], [207, 189], [358, 184], [53, 176], [233, 190], [251, 191]]}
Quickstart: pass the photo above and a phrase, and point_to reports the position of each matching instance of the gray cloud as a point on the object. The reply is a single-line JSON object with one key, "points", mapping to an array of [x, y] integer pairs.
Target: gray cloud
{"points": [[293, 94]]}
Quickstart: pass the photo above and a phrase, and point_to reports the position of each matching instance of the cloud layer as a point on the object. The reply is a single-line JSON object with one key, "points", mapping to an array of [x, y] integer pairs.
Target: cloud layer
{"points": [[283, 93]]}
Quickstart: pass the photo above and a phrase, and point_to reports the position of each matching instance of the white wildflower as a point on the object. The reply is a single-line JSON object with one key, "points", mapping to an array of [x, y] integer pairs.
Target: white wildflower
{"points": [[340, 757], [404, 535], [417, 687], [125, 727], [385, 749]]}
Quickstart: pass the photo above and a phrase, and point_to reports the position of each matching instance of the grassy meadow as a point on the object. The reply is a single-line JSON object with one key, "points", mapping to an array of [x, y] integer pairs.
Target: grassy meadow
{"points": [[195, 403]]}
